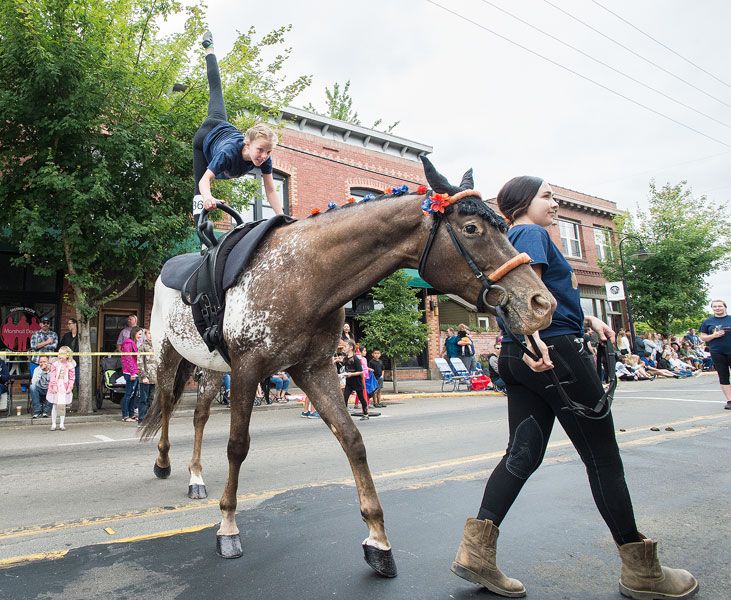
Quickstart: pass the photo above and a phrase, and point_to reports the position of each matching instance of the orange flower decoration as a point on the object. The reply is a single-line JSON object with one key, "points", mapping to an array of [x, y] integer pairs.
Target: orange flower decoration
{"points": [[439, 202], [315, 211], [350, 200], [388, 190], [422, 189]]}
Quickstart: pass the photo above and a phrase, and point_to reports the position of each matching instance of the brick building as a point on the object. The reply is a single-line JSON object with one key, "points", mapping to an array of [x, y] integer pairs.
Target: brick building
{"points": [[321, 160]]}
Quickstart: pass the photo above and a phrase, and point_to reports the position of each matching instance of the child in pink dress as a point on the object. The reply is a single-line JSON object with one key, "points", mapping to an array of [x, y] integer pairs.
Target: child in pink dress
{"points": [[61, 385]]}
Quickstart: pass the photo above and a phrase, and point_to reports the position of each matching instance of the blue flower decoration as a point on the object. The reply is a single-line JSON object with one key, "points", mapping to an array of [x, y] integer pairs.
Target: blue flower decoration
{"points": [[331, 205], [368, 197], [426, 205], [400, 191]]}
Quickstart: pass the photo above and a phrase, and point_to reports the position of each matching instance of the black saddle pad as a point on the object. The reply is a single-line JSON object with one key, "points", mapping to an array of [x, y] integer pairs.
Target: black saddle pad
{"points": [[244, 239]]}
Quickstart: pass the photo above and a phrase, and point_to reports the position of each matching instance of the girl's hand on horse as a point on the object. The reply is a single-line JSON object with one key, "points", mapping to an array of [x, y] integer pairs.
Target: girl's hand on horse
{"points": [[544, 363], [603, 330]]}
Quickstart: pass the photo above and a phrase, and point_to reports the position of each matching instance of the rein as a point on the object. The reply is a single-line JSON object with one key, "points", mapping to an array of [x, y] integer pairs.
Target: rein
{"points": [[488, 282]]}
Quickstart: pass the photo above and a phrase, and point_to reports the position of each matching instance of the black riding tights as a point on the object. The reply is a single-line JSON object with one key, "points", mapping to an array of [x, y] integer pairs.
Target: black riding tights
{"points": [[216, 114], [533, 406]]}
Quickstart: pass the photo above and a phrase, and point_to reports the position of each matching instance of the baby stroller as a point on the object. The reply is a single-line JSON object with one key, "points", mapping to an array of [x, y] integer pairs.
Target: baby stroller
{"points": [[111, 372]]}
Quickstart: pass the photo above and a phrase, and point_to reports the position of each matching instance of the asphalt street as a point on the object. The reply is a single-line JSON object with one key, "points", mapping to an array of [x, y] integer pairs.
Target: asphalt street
{"points": [[83, 517]]}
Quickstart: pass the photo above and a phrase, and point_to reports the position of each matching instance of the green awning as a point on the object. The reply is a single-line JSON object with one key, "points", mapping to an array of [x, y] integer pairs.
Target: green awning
{"points": [[415, 281]]}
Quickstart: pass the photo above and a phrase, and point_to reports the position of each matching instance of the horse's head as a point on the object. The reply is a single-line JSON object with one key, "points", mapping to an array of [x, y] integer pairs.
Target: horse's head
{"points": [[470, 229]]}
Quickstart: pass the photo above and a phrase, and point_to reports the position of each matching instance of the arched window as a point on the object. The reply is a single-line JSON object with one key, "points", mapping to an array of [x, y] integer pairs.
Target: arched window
{"points": [[360, 192]]}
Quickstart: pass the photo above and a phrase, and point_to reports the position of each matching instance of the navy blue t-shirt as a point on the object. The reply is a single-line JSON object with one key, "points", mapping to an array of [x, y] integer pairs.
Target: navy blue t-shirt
{"points": [[558, 277], [720, 345], [222, 149]]}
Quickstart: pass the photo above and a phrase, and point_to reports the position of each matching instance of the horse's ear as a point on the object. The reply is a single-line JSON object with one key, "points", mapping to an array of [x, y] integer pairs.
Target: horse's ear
{"points": [[436, 180], [467, 183]]}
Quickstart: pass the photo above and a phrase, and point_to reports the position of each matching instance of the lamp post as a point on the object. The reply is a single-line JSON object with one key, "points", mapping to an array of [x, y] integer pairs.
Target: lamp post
{"points": [[641, 254]]}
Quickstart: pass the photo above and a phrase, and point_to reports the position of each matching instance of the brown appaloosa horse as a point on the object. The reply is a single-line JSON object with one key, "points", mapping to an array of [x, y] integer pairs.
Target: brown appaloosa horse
{"points": [[267, 329]]}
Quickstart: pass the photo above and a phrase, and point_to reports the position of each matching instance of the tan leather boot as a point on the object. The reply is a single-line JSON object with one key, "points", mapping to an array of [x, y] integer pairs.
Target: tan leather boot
{"points": [[643, 578], [475, 560]]}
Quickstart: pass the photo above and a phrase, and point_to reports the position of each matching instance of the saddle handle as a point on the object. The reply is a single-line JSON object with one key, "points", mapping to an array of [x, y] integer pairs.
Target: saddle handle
{"points": [[205, 227]]}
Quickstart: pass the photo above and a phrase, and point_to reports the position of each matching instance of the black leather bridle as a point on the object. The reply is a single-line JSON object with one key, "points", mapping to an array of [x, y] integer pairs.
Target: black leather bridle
{"points": [[488, 282]]}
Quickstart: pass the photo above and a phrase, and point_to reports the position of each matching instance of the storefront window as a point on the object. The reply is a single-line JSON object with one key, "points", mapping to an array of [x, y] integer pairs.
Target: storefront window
{"points": [[260, 208]]}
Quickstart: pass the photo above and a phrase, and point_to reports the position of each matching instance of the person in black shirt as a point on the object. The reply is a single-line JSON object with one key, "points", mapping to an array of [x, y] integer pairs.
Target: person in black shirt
{"points": [[376, 364], [221, 151], [70, 339], [354, 379]]}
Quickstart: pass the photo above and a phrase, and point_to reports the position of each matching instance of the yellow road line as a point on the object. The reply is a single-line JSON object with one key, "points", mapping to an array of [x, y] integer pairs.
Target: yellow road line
{"points": [[644, 441], [162, 534], [55, 555], [384, 475], [14, 560]]}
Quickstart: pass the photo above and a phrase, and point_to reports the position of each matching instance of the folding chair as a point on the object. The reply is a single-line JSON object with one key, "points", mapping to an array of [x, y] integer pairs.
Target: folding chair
{"points": [[448, 376], [462, 374]]}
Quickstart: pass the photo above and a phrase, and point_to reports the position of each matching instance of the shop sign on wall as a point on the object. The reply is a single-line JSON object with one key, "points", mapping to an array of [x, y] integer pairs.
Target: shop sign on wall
{"points": [[18, 327]]}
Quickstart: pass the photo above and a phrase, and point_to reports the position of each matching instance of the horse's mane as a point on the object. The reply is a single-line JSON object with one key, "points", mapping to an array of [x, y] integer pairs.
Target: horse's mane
{"points": [[471, 205]]}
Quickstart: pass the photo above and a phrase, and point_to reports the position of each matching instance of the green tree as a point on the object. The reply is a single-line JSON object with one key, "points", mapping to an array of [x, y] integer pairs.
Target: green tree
{"points": [[688, 238], [340, 106], [95, 175], [396, 329]]}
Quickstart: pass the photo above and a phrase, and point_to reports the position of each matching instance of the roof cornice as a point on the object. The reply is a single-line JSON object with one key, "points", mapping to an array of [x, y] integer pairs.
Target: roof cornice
{"points": [[355, 135]]}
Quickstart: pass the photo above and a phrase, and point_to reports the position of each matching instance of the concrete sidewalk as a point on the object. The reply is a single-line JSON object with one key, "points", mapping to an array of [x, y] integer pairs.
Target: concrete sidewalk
{"points": [[111, 412]]}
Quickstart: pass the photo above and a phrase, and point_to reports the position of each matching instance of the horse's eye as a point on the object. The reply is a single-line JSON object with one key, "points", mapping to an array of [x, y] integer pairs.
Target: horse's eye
{"points": [[470, 229]]}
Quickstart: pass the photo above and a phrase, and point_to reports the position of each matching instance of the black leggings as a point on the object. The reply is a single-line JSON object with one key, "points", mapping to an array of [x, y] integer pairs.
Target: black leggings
{"points": [[349, 389], [533, 406], [722, 363], [216, 115]]}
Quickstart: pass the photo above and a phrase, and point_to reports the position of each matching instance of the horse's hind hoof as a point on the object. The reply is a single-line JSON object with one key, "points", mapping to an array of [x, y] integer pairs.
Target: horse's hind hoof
{"points": [[381, 561], [197, 491], [229, 546], [161, 472]]}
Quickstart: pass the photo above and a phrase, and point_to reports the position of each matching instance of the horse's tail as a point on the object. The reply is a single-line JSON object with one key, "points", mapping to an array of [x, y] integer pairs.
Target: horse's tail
{"points": [[153, 418]]}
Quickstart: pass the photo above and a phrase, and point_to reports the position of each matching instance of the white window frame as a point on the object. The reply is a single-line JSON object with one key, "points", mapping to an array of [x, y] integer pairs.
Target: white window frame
{"points": [[483, 322], [602, 243], [571, 245]]}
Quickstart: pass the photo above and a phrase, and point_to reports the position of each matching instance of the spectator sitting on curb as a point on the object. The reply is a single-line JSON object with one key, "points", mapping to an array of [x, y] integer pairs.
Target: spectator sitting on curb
{"points": [[281, 386], [39, 389], [636, 366], [492, 368], [627, 373]]}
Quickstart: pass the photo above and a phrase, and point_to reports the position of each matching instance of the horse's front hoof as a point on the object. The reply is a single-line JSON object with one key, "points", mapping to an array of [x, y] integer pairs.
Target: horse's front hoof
{"points": [[381, 561], [197, 491], [161, 472], [229, 546]]}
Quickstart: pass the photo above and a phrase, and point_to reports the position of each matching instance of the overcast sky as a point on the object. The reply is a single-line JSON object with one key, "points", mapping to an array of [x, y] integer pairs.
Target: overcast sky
{"points": [[483, 102]]}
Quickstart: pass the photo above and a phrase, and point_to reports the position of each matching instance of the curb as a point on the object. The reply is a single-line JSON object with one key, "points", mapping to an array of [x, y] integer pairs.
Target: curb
{"points": [[24, 421]]}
